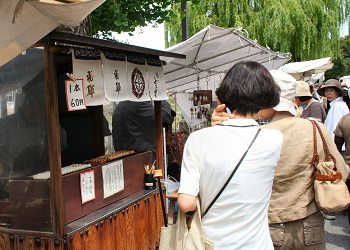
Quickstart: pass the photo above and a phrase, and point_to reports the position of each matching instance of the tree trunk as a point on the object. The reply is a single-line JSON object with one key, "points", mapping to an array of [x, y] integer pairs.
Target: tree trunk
{"points": [[83, 29]]}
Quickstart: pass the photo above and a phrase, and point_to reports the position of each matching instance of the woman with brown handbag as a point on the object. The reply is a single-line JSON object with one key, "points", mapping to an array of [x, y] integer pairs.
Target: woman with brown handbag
{"points": [[295, 220]]}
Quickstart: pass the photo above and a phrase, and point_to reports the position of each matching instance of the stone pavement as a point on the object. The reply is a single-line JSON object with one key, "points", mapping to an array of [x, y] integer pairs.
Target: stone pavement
{"points": [[337, 233]]}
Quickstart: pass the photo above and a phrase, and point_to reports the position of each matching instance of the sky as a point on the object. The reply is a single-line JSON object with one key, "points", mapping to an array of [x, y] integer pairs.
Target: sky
{"points": [[148, 36], [344, 29]]}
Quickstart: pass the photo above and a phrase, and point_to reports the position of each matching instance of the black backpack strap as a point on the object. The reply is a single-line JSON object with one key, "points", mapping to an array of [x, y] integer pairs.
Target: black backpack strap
{"points": [[232, 174]]}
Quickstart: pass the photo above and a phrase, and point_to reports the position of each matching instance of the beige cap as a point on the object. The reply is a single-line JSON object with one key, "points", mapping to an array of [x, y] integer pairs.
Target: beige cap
{"points": [[302, 89]]}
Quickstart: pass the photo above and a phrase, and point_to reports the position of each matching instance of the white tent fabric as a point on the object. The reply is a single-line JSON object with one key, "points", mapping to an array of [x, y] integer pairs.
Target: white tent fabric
{"points": [[212, 52], [315, 77], [299, 70], [209, 55], [24, 22]]}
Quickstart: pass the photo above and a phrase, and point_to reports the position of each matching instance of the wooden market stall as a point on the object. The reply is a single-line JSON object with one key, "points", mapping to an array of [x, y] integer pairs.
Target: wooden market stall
{"points": [[54, 170]]}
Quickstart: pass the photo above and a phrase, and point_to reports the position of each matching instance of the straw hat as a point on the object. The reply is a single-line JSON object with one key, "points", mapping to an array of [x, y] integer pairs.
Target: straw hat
{"points": [[331, 83], [287, 84], [302, 89]]}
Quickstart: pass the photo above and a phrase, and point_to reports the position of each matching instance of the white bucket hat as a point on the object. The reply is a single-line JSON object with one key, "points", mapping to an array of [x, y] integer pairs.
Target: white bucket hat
{"points": [[287, 84]]}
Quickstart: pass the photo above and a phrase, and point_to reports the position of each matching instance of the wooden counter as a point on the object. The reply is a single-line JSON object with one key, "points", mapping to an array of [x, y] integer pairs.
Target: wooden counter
{"points": [[131, 223], [129, 219]]}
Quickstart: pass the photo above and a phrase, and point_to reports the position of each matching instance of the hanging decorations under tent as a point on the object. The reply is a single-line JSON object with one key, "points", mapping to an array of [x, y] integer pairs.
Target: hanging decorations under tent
{"points": [[196, 104], [201, 104], [194, 112], [114, 76]]}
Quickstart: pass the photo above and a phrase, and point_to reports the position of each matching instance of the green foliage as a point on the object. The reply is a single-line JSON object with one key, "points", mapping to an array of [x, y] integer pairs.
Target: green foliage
{"points": [[308, 29], [126, 15], [342, 62]]}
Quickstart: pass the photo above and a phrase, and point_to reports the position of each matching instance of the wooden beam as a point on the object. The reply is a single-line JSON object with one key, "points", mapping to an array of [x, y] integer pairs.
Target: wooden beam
{"points": [[159, 135], [54, 144], [68, 39]]}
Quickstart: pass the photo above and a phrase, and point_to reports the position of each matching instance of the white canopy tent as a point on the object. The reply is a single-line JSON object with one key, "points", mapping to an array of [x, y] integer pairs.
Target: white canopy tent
{"points": [[24, 22], [209, 55], [211, 52], [314, 69]]}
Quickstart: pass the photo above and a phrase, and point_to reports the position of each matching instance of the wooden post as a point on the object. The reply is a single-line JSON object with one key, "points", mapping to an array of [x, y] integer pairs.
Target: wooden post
{"points": [[54, 144], [159, 135]]}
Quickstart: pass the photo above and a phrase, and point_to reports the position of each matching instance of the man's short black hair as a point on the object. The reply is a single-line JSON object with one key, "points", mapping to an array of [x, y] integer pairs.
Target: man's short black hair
{"points": [[247, 88], [304, 98]]}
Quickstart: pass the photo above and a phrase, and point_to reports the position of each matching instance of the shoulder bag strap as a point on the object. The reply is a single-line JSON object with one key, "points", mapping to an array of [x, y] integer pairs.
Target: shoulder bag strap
{"points": [[233, 172], [328, 155], [315, 157]]}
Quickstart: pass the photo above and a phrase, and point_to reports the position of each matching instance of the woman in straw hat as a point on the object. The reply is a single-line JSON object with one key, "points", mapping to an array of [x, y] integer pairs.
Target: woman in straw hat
{"points": [[333, 91], [295, 221], [312, 109]]}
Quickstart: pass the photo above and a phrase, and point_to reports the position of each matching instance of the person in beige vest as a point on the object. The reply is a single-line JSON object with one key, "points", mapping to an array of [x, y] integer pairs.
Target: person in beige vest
{"points": [[294, 219]]}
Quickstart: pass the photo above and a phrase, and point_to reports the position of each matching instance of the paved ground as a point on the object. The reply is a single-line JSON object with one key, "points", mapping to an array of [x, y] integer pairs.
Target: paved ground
{"points": [[337, 233]]}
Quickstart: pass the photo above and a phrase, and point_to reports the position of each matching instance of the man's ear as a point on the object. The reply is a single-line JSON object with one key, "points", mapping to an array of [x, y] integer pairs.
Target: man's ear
{"points": [[218, 101]]}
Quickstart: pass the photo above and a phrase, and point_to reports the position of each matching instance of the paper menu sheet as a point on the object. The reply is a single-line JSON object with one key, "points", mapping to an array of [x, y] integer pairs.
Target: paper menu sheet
{"points": [[113, 178], [87, 186]]}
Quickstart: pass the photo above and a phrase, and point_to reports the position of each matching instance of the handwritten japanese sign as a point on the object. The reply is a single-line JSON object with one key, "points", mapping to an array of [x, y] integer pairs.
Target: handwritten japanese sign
{"points": [[75, 94], [87, 186], [113, 178]]}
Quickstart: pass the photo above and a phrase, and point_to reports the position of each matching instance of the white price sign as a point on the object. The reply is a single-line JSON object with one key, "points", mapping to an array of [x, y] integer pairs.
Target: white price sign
{"points": [[87, 186], [113, 178], [75, 94]]}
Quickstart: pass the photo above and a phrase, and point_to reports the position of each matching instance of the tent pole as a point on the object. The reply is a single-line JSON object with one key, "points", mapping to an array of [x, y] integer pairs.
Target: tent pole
{"points": [[175, 112], [184, 20]]}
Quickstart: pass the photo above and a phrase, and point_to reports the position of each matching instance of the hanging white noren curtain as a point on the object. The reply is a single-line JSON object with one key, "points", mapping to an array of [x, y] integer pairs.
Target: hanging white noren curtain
{"points": [[137, 80], [156, 80], [115, 76], [87, 65]]}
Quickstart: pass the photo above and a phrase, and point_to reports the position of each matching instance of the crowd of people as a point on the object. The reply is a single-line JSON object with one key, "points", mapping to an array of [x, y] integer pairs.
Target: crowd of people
{"points": [[262, 129], [270, 202]]}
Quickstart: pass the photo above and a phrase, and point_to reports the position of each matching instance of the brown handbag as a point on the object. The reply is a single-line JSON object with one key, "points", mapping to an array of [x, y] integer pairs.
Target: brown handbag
{"points": [[331, 193]]}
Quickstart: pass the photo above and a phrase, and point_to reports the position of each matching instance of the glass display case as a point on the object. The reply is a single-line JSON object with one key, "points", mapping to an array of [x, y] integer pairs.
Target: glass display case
{"points": [[24, 203]]}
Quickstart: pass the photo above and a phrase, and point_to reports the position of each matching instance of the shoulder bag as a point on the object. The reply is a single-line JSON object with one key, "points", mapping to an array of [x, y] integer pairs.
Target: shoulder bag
{"points": [[188, 234], [331, 193]]}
